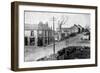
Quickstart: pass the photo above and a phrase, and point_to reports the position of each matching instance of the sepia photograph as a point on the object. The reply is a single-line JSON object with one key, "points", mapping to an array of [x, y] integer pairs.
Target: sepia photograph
{"points": [[56, 36]]}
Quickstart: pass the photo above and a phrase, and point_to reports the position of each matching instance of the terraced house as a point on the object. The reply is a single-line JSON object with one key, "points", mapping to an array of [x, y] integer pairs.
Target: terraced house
{"points": [[66, 32]]}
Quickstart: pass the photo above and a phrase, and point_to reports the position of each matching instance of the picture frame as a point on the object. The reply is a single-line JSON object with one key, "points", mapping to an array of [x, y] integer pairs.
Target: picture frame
{"points": [[52, 36]]}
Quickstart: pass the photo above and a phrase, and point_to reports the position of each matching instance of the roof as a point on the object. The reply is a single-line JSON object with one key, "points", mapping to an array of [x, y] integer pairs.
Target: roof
{"points": [[66, 29], [30, 26], [36, 27], [69, 29], [80, 26]]}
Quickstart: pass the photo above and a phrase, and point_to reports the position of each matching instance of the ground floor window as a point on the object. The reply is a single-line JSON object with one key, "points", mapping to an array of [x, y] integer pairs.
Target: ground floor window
{"points": [[38, 38], [26, 41], [32, 41]]}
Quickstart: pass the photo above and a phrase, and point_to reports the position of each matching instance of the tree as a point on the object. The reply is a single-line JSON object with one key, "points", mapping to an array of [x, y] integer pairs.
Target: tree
{"points": [[61, 22]]}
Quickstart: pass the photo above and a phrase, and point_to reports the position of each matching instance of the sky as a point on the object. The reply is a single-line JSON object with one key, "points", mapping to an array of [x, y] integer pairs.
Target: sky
{"points": [[34, 17]]}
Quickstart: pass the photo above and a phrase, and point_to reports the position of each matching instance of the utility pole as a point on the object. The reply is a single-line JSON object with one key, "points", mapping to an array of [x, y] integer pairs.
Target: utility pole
{"points": [[54, 35]]}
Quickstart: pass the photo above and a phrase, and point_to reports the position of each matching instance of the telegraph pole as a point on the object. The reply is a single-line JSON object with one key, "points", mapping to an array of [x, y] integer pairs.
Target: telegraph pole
{"points": [[53, 35], [53, 31]]}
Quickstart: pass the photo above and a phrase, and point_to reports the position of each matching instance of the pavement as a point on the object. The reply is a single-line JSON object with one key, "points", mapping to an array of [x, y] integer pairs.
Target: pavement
{"points": [[35, 53]]}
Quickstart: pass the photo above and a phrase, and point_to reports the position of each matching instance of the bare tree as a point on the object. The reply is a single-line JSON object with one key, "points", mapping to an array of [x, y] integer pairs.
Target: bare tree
{"points": [[61, 22]]}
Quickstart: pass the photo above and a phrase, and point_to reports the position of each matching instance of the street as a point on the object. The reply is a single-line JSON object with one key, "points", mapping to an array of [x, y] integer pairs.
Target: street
{"points": [[35, 53]]}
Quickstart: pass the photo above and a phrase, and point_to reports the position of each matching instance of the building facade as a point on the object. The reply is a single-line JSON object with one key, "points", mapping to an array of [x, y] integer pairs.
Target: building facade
{"points": [[38, 34], [66, 32]]}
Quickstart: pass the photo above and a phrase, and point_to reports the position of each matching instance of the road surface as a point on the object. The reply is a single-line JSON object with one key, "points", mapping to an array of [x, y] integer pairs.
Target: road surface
{"points": [[35, 53]]}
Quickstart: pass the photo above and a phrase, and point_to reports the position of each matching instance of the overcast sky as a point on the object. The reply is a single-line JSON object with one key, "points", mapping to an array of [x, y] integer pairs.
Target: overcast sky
{"points": [[33, 17]]}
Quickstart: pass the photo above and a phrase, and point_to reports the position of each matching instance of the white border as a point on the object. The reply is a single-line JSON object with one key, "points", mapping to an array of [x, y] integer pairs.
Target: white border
{"points": [[33, 64]]}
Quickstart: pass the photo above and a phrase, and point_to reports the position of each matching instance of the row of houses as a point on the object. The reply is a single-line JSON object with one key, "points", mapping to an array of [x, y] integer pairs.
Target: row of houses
{"points": [[41, 34], [66, 32]]}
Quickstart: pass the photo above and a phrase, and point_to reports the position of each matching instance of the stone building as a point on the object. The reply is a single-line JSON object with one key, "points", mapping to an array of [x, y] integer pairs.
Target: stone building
{"points": [[38, 34]]}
